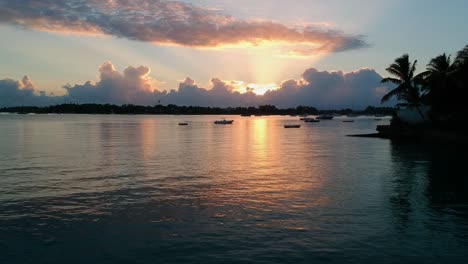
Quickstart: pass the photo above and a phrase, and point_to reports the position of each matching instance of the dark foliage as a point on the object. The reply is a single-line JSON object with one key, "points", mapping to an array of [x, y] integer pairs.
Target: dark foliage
{"points": [[444, 86]]}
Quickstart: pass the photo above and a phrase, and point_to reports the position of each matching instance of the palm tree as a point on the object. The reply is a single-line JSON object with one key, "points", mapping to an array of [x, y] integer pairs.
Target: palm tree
{"points": [[461, 83], [461, 74], [462, 58], [407, 89], [439, 80], [446, 82]]}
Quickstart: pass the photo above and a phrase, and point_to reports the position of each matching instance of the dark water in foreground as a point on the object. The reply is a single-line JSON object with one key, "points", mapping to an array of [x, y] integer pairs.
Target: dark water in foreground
{"points": [[141, 189]]}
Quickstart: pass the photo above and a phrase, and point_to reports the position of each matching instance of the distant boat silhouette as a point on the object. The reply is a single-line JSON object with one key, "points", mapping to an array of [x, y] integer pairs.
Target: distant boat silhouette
{"points": [[183, 124], [325, 117], [292, 126], [224, 122], [311, 120]]}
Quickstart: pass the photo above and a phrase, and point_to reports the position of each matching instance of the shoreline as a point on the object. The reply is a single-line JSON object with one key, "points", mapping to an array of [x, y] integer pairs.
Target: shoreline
{"points": [[418, 134]]}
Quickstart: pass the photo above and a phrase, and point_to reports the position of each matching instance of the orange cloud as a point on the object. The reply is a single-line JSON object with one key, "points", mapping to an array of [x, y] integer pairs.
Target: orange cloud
{"points": [[171, 23]]}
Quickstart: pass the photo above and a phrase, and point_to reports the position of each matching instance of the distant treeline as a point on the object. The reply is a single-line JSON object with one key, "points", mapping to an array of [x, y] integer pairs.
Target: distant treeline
{"points": [[186, 110]]}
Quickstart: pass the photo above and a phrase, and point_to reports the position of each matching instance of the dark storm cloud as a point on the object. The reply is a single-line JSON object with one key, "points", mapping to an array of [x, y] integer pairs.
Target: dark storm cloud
{"points": [[168, 22]]}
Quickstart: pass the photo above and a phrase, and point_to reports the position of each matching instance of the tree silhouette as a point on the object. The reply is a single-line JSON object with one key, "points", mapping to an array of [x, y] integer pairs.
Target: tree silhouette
{"points": [[407, 90]]}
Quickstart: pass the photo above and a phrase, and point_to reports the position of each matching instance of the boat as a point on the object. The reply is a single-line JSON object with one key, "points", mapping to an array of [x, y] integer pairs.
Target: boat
{"points": [[325, 117], [311, 120], [292, 126], [224, 122], [183, 124], [348, 121], [245, 115]]}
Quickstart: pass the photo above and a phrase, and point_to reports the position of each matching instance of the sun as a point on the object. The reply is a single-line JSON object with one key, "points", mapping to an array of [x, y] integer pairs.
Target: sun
{"points": [[258, 89], [261, 89]]}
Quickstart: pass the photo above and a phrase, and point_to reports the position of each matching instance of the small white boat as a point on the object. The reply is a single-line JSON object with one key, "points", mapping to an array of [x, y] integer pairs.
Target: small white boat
{"points": [[224, 122], [292, 126]]}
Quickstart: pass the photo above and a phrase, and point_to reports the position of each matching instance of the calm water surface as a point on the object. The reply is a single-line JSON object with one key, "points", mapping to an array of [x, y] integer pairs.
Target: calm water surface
{"points": [[141, 189]]}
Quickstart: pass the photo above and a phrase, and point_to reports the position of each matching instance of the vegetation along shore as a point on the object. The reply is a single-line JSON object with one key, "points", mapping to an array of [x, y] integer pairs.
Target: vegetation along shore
{"points": [[432, 104]]}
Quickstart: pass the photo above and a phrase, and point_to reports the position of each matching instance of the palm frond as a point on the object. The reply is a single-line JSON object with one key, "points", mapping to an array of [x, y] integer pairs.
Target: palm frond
{"points": [[395, 70], [391, 94], [391, 80], [412, 70], [408, 89], [462, 57], [440, 64], [423, 75]]}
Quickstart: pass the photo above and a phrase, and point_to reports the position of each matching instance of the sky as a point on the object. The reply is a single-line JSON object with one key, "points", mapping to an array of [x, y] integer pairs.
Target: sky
{"points": [[322, 53]]}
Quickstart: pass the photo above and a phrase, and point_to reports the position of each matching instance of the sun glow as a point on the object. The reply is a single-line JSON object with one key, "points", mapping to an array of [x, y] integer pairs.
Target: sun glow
{"points": [[261, 89], [258, 89]]}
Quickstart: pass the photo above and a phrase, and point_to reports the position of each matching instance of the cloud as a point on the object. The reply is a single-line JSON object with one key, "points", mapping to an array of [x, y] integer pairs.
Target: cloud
{"points": [[221, 93], [322, 89], [133, 86], [330, 89], [16, 93], [170, 23]]}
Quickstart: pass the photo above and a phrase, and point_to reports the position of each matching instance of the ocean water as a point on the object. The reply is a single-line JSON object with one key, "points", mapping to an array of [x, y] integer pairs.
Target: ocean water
{"points": [[141, 189]]}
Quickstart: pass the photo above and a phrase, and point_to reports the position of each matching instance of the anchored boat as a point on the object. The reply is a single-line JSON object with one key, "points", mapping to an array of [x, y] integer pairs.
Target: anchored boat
{"points": [[224, 122]]}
